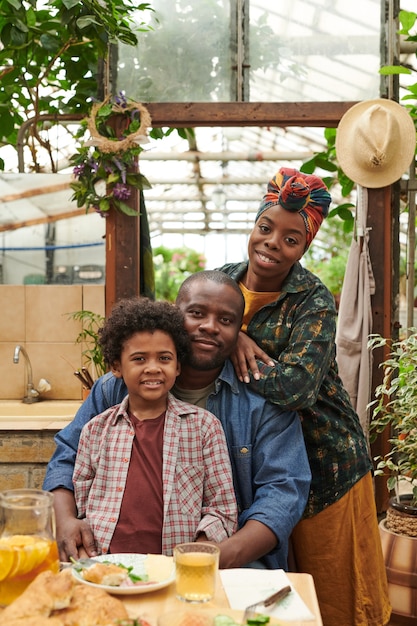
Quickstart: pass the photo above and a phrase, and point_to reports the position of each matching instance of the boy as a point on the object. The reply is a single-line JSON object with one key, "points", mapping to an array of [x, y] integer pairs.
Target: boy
{"points": [[152, 471]]}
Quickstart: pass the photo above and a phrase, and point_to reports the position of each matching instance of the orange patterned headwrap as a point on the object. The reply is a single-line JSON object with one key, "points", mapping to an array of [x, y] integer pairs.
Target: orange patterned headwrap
{"points": [[305, 194]]}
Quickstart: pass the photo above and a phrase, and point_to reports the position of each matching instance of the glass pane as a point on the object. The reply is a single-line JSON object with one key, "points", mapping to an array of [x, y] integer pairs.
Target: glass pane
{"points": [[299, 51], [186, 57], [314, 50]]}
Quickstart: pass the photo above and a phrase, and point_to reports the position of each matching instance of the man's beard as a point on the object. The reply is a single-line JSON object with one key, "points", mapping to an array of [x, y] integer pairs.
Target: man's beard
{"points": [[208, 363]]}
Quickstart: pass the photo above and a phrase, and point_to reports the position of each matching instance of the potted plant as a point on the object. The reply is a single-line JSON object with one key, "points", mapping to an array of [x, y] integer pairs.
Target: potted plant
{"points": [[93, 358], [395, 407]]}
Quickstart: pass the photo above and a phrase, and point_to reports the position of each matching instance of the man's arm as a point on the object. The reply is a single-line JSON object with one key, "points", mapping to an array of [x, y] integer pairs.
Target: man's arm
{"points": [[248, 544], [106, 392], [272, 480], [74, 536], [219, 509]]}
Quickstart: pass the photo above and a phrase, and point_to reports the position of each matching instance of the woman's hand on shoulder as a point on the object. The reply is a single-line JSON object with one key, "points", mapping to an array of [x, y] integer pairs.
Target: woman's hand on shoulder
{"points": [[244, 358]]}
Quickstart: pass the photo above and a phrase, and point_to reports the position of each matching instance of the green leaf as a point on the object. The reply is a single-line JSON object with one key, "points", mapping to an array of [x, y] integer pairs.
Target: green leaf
{"points": [[70, 4], [156, 133], [343, 212], [138, 180], [104, 204], [104, 111], [330, 135], [390, 70], [347, 205], [6, 123], [17, 38], [49, 43], [347, 185], [124, 208], [113, 178], [325, 164], [31, 17], [16, 4], [407, 20], [308, 167], [348, 225], [86, 21], [182, 132], [21, 25]]}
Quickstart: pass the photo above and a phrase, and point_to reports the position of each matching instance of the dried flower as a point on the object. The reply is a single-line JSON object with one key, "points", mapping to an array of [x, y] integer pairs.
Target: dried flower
{"points": [[121, 192], [104, 166], [79, 169]]}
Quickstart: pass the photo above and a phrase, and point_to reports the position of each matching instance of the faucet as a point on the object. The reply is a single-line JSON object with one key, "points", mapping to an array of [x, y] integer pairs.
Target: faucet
{"points": [[32, 395]]}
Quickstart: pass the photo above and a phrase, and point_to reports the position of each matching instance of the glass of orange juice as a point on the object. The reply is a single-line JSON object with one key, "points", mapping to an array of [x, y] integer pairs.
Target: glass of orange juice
{"points": [[196, 566], [27, 540]]}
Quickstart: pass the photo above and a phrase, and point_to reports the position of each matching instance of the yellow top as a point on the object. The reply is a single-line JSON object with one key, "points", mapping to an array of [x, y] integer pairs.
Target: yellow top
{"points": [[255, 300]]}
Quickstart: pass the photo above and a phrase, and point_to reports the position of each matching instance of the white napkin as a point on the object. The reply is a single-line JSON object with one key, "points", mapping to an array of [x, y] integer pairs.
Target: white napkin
{"points": [[244, 586]]}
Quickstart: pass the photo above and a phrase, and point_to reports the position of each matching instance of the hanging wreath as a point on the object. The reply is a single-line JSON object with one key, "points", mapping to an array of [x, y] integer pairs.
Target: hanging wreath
{"points": [[104, 164]]}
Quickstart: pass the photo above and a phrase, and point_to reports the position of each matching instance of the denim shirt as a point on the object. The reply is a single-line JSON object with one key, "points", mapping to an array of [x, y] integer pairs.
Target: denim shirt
{"points": [[270, 467], [298, 332]]}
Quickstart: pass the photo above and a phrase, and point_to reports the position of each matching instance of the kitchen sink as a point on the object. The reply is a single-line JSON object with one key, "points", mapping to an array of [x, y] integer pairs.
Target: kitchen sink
{"points": [[15, 414]]}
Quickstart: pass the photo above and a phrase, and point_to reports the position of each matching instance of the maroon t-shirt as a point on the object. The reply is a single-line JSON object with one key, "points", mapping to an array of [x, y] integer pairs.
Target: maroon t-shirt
{"points": [[139, 528]]}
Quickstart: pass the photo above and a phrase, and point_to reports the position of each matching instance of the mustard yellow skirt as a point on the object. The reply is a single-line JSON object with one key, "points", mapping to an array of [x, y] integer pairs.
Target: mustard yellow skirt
{"points": [[341, 548]]}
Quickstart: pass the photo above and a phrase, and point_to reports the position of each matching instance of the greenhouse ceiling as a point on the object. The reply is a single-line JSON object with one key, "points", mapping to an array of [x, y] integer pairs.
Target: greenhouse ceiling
{"points": [[312, 51]]}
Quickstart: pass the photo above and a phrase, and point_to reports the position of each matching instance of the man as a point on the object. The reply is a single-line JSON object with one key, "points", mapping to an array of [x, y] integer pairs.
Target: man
{"points": [[269, 462]]}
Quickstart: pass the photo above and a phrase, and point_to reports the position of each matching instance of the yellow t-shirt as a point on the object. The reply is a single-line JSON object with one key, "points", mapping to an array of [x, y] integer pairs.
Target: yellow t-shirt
{"points": [[255, 300]]}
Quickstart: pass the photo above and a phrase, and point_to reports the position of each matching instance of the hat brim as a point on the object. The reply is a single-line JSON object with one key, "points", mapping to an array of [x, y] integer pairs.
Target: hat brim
{"points": [[345, 145]]}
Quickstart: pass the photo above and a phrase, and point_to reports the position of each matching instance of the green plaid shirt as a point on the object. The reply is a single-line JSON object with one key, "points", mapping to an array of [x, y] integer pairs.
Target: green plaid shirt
{"points": [[298, 331]]}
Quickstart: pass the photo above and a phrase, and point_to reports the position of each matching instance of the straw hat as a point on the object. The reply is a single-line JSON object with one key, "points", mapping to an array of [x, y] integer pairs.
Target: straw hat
{"points": [[375, 142]]}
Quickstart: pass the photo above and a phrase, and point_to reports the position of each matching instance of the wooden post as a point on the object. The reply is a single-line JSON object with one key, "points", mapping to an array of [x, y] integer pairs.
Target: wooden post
{"points": [[122, 241], [382, 221], [122, 254]]}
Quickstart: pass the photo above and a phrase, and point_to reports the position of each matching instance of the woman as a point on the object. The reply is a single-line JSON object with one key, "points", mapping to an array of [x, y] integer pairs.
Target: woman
{"points": [[291, 316]]}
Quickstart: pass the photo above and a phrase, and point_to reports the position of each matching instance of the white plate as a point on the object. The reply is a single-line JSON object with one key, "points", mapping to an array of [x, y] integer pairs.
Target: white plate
{"points": [[138, 562]]}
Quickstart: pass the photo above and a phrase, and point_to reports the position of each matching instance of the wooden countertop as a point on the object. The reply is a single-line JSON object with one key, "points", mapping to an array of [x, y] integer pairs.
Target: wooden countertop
{"points": [[43, 415], [152, 605]]}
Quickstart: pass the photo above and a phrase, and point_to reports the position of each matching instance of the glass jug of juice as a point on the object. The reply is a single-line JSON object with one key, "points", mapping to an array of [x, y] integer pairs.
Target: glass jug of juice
{"points": [[27, 540]]}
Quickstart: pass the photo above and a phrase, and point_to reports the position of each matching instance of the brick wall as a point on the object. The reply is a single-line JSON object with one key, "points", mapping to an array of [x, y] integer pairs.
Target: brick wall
{"points": [[24, 456]]}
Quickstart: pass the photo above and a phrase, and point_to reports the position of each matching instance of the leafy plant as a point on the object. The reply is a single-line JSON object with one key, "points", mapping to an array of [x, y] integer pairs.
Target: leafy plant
{"points": [[327, 161], [408, 21], [331, 267], [395, 407], [49, 61], [172, 266], [92, 354]]}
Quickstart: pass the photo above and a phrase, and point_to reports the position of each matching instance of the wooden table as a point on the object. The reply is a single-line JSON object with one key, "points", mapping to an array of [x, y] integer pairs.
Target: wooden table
{"points": [[151, 605]]}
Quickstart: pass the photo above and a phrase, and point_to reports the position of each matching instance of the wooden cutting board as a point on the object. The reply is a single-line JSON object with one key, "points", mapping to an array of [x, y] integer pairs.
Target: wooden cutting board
{"points": [[151, 606]]}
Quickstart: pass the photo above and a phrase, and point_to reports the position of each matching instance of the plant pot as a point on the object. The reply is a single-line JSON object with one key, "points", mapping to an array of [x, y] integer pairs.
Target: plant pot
{"points": [[402, 516], [400, 557]]}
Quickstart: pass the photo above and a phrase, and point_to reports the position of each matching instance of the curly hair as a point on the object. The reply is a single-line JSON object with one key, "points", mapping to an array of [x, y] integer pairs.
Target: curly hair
{"points": [[135, 315]]}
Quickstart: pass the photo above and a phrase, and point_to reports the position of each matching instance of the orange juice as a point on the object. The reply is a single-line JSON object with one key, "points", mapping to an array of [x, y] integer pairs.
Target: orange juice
{"points": [[196, 575], [22, 558]]}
